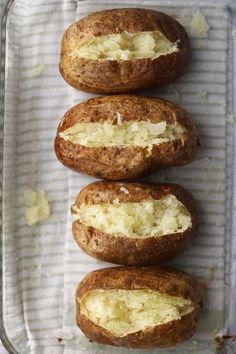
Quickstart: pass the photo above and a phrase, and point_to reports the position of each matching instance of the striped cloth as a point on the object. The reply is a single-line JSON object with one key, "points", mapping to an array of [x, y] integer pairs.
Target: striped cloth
{"points": [[42, 263], [2, 348]]}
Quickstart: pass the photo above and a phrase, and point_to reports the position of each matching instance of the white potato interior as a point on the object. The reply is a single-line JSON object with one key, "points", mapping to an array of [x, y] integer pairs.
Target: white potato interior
{"points": [[128, 311], [126, 46], [143, 133], [199, 25], [37, 207], [147, 219]]}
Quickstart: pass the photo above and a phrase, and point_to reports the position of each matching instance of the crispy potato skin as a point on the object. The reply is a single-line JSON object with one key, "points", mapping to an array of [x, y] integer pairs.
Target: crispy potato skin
{"points": [[163, 280], [114, 76], [127, 161], [126, 250]]}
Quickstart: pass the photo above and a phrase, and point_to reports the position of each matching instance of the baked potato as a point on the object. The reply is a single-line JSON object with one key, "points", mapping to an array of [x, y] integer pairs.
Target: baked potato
{"points": [[133, 223], [138, 307], [122, 50], [125, 136]]}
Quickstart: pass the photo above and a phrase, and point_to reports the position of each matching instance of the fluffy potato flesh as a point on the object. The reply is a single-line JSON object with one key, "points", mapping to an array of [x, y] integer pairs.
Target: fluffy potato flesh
{"points": [[127, 311], [37, 206], [126, 46], [146, 219], [142, 133]]}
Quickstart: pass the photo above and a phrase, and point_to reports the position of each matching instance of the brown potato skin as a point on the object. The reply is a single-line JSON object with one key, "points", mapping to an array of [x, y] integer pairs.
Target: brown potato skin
{"points": [[114, 76], [126, 162], [164, 280], [126, 250]]}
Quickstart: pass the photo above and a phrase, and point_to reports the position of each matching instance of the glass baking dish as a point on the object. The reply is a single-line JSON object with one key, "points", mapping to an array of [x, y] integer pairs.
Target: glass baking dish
{"points": [[41, 265]]}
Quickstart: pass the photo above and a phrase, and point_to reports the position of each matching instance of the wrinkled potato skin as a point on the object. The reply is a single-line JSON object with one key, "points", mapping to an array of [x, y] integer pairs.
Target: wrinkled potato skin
{"points": [[114, 76], [163, 280], [126, 250], [124, 162]]}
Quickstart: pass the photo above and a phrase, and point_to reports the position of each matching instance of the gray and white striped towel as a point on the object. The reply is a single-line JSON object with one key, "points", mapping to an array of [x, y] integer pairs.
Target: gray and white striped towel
{"points": [[42, 263]]}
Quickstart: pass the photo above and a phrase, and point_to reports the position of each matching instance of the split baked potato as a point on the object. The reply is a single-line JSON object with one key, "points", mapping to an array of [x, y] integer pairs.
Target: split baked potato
{"points": [[125, 136], [122, 50], [134, 223], [138, 307]]}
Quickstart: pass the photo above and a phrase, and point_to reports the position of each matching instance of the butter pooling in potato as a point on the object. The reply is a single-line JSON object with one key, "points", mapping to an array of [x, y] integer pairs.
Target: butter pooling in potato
{"points": [[126, 46], [142, 133], [145, 219], [128, 311]]}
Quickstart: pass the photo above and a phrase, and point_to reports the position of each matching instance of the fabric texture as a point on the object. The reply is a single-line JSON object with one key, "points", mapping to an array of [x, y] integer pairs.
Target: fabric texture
{"points": [[43, 264]]}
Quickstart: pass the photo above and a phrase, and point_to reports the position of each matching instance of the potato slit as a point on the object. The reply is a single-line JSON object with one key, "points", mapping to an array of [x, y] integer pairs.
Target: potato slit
{"points": [[126, 46], [128, 311], [145, 219], [143, 133]]}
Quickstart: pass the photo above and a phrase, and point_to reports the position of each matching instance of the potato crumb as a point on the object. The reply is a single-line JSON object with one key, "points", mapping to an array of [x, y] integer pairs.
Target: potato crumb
{"points": [[38, 70], [149, 150], [177, 43], [119, 118], [37, 206], [199, 25], [202, 94], [176, 93], [75, 212], [230, 118], [123, 189], [116, 201]]}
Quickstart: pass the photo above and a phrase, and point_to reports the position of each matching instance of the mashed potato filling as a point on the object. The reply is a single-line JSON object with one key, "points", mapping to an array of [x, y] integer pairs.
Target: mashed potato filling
{"points": [[146, 219], [126, 46], [143, 133], [127, 311]]}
